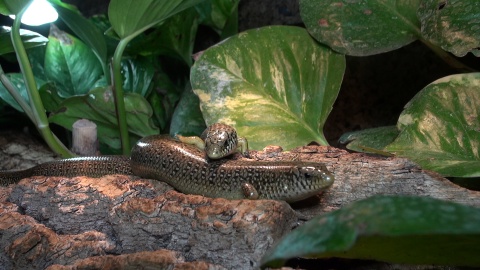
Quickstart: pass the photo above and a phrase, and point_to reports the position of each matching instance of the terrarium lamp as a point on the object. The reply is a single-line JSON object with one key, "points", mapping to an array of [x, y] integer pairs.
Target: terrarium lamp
{"points": [[39, 12]]}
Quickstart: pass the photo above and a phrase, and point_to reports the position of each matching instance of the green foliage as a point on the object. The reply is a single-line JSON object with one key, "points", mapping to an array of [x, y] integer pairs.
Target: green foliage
{"points": [[66, 61], [98, 106], [412, 230], [275, 85], [440, 127], [73, 73], [362, 27], [453, 25], [29, 38]]}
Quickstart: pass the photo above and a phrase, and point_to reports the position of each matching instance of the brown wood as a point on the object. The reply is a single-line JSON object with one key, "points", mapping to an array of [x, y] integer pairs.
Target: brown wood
{"points": [[64, 223]]}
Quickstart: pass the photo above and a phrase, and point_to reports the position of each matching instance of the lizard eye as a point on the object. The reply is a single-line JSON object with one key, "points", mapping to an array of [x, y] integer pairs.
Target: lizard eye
{"points": [[307, 175]]}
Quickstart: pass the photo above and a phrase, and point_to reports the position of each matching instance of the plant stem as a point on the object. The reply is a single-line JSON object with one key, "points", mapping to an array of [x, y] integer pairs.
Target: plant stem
{"points": [[36, 105], [16, 95], [447, 57], [118, 94]]}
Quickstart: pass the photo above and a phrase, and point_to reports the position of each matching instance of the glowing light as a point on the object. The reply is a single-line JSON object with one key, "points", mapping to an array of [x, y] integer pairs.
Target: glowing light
{"points": [[39, 12]]}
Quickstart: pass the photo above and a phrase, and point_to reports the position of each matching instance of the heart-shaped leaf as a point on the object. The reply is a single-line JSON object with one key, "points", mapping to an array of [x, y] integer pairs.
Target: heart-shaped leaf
{"points": [[454, 25], [276, 85], [363, 27], [440, 127], [70, 64], [411, 230]]}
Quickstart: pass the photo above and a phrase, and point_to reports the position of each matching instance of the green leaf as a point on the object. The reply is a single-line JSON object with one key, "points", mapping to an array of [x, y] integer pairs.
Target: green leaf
{"points": [[17, 80], [371, 140], [50, 98], [216, 13], [98, 107], [137, 75], [363, 27], [410, 230], [12, 7], [29, 38], [440, 127], [86, 30], [165, 95], [70, 64], [129, 17], [4, 10], [174, 38], [36, 56], [276, 85], [453, 25], [187, 119]]}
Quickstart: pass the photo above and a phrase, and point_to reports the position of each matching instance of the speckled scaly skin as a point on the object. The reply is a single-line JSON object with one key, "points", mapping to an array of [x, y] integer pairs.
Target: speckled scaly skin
{"points": [[220, 140], [186, 168]]}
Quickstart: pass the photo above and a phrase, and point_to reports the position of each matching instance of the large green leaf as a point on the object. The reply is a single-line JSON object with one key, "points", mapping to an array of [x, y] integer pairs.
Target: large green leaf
{"points": [[440, 127], [363, 27], [411, 230], [454, 24], [86, 30], [137, 75], [276, 85], [130, 17], [17, 80], [98, 107], [70, 64], [30, 39]]}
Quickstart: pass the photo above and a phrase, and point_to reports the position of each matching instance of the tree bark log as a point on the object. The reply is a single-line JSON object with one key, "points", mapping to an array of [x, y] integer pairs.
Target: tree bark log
{"points": [[119, 221]]}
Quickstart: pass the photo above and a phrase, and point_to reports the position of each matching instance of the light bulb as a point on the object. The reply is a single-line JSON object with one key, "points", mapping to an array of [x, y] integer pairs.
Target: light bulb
{"points": [[39, 12]]}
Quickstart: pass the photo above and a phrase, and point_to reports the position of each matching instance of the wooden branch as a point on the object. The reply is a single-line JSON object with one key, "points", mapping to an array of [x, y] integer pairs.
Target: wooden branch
{"points": [[64, 223], [359, 176]]}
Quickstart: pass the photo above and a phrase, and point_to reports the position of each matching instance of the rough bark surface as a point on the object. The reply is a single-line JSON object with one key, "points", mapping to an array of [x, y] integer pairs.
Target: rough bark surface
{"points": [[121, 222]]}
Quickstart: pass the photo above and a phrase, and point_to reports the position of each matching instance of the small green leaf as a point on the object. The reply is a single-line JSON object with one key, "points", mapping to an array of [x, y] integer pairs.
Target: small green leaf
{"points": [[410, 230], [440, 127], [453, 25], [187, 119], [363, 27], [137, 75], [216, 13], [70, 64], [50, 98], [371, 140], [139, 112], [98, 107], [128, 17], [17, 80], [275, 84], [30, 39]]}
